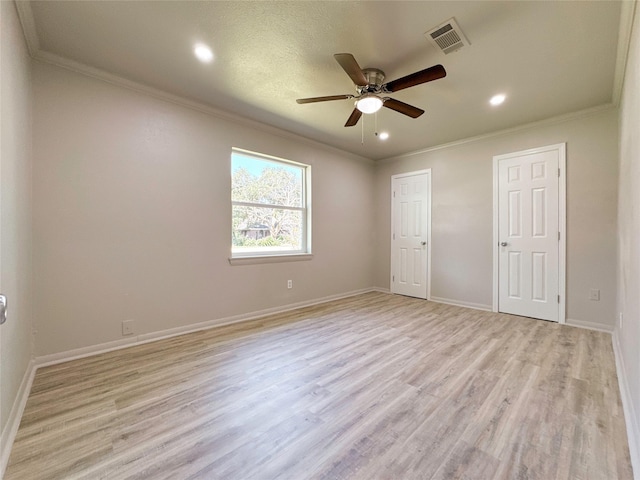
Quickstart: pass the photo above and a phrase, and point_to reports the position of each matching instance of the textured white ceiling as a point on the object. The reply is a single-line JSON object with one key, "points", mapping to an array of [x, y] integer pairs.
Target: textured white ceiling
{"points": [[550, 58]]}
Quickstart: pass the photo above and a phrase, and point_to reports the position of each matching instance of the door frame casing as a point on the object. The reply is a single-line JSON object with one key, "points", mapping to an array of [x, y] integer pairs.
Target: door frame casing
{"points": [[428, 199], [561, 148]]}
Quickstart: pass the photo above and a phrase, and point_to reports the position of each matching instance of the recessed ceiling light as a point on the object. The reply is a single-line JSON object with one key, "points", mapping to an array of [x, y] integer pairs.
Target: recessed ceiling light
{"points": [[383, 135], [497, 99], [203, 53]]}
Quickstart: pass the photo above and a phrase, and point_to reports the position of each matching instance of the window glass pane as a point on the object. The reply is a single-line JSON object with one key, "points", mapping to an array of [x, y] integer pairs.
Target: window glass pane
{"points": [[257, 180], [263, 229]]}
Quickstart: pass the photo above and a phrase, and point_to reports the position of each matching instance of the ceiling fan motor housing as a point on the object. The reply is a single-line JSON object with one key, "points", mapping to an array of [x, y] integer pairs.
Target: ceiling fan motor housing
{"points": [[374, 77]]}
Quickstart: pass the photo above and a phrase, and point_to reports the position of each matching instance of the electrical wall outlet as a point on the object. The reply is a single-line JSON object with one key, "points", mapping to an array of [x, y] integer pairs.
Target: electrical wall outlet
{"points": [[128, 327], [594, 295], [289, 283]]}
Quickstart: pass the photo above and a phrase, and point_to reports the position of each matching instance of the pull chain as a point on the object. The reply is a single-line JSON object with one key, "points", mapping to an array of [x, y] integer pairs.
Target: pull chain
{"points": [[376, 123]]}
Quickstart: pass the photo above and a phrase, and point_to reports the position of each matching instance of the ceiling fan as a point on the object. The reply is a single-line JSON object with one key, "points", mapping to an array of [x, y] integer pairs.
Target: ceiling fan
{"points": [[370, 89]]}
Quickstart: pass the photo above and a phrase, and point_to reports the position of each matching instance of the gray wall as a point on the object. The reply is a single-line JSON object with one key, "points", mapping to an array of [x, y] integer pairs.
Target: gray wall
{"points": [[462, 209], [132, 216], [628, 336], [15, 218], [131, 195]]}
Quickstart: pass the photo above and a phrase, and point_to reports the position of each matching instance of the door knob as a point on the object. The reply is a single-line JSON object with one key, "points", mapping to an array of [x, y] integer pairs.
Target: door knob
{"points": [[3, 309], [423, 243], [503, 244]]}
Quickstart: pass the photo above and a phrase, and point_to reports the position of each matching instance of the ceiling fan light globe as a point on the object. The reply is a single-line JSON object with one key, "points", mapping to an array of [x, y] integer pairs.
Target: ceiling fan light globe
{"points": [[369, 104]]}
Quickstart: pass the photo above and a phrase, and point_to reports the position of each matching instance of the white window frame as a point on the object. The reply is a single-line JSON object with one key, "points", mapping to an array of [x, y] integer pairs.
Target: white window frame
{"points": [[304, 253]]}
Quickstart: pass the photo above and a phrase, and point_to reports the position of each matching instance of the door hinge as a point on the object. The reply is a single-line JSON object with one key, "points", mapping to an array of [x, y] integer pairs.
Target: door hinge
{"points": [[558, 173], [558, 236], [558, 298], [394, 194], [394, 236], [393, 279]]}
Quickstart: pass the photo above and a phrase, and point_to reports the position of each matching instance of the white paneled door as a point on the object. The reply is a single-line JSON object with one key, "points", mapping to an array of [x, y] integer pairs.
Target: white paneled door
{"points": [[410, 235], [529, 233]]}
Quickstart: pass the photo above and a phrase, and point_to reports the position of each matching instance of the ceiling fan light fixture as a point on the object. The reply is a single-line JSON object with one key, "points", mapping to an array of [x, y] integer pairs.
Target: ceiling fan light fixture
{"points": [[369, 103]]}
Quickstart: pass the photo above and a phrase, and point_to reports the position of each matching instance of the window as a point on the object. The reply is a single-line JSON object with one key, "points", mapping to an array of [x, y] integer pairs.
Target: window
{"points": [[269, 198]]}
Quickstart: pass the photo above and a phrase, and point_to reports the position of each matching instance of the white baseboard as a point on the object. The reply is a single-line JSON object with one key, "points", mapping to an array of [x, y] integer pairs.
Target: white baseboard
{"points": [[15, 415], [62, 357], [630, 415], [460, 303], [599, 327], [381, 290]]}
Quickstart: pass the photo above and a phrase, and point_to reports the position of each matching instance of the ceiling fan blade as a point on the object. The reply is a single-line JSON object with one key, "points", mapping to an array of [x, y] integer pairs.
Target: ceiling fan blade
{"points": [[403, 108], [353, 118], [423, 76], [323, 99], [349, 65]]}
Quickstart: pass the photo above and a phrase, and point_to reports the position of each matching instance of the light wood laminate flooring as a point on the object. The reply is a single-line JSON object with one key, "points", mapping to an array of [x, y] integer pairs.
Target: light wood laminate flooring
{"points": [[375, 386]]}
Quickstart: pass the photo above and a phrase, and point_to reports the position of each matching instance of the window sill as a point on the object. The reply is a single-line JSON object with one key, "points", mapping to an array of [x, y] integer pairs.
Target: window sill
{"points": [[297, 257]]}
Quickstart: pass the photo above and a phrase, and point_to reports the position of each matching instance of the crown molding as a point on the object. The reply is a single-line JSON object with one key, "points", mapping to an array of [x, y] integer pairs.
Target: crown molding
{"points": [[627, 11], [588, 112], [25, 15], [101, 75]]}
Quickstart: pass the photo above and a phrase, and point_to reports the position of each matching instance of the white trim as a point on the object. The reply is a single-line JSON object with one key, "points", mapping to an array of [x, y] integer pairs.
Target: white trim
{"points": [[496, 236], [268, 158], [77, 67], [630, 415], [598, 327], [561, 148], [627, 10], [567, 117], [381, 290], [562, 228], [304, 209], [61, 357], [427, 172], [254, 260], [76, 353], [429, 250], [411, 174], [52, 59], [25, 14], [15, 415], [267, 205], [462, 303]]}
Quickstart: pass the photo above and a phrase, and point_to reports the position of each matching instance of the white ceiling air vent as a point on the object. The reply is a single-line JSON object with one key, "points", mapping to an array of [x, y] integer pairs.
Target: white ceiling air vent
{"points": [[447, 37]]}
